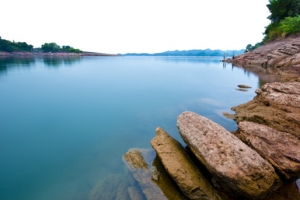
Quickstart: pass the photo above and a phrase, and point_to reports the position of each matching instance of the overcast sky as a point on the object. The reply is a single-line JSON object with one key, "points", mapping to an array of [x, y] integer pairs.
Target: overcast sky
{"points": [[123, 26]]}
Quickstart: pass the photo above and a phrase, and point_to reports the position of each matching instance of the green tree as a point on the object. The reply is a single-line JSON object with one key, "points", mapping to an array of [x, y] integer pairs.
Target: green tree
{"points": [[50, 47], [5, 45], [281, 9]]}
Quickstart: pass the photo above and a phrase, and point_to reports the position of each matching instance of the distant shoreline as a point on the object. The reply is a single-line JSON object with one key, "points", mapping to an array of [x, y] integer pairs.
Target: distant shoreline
{"points": [[58, 54]]}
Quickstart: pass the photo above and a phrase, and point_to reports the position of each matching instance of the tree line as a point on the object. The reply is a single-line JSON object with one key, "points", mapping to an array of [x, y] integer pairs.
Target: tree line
{"points": [[8, 46], [285, 20], [53, 47]]}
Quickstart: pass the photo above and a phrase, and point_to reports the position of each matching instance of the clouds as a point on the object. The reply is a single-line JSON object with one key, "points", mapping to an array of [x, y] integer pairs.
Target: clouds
{"points": [[116, 26]]}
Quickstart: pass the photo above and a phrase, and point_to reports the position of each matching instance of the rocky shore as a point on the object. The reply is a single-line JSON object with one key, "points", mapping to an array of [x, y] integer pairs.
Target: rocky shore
{"points": [[60, 54], [261, 160], [282, 54]]}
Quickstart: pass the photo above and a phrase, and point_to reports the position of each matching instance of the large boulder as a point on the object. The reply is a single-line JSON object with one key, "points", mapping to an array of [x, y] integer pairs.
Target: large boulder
{"points": [[179, 166], [281, 149], [276, 105], [233, 164]]}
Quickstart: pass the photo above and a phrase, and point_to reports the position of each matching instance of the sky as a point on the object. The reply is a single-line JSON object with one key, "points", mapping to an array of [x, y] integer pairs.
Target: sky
{"points": [[135, 26]]}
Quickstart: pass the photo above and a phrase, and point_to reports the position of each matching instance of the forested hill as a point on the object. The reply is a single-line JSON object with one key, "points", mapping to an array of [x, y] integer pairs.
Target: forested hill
{"points": [[206, 52]]}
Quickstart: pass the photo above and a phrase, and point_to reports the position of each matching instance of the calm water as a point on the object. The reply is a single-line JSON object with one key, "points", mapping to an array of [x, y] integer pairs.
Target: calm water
{"points": [[65, 123]]}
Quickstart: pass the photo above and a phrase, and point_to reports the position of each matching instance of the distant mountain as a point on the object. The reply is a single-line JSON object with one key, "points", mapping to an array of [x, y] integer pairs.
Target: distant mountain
{"points": [[206, 52]]}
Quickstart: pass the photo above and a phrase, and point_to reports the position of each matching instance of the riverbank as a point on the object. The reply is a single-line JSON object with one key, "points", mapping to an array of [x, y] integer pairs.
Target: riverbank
{"points": [[59, 54], [282, 55], [261, 160]]}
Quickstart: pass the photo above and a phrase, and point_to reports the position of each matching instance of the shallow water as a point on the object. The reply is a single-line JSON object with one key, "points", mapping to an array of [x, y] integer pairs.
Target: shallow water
{"points": [[66, 122]]}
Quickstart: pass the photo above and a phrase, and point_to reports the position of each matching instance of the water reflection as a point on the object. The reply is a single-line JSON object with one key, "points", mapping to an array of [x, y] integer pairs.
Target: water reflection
{"points": [[265, 75], [8, 63], [13, 62], [57, 61]]}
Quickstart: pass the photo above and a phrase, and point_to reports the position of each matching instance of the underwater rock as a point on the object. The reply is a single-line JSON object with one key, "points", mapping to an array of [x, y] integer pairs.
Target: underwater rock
{"points": [[112, 187], [151, 175], [135, 193], [135, 159]]}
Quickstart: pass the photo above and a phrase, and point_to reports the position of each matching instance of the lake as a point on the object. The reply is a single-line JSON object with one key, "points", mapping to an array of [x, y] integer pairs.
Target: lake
{"points": [[66, 122]]}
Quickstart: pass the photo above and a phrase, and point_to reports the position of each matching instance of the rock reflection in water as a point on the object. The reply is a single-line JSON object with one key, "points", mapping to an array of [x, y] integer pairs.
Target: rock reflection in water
{"points": [[265, 75]]}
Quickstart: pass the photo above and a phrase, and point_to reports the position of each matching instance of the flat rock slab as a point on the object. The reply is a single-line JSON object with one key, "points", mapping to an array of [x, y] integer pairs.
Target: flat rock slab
{"points": [[234, 165], [287, 94], [276, 105], [179, 166], [281, 149]]}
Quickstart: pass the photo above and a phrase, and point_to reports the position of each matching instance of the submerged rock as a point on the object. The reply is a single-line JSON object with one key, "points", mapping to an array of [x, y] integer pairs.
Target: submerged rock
{"points": [[179, 166], [233, 164], [135, 193], [135, 159], [281, 149], [112, 187], [151, 176]]}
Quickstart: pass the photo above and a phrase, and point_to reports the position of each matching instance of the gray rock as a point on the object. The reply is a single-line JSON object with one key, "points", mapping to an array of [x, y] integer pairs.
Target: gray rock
{"points": [[281, 149], [234, 165], [179, 166]]}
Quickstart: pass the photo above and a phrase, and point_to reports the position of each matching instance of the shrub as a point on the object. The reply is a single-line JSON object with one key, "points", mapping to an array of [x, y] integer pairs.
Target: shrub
{"points": [[287, 26]]}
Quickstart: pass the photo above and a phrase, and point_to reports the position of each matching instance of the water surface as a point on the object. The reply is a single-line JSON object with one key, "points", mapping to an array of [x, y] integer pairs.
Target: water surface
{"points": [[66, 122]]}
